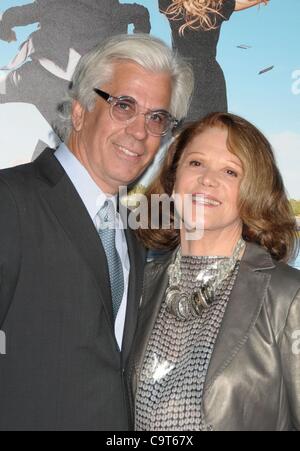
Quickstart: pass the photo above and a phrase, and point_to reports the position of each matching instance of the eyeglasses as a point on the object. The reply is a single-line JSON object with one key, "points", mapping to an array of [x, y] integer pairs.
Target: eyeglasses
{"points": [[126, 109]]}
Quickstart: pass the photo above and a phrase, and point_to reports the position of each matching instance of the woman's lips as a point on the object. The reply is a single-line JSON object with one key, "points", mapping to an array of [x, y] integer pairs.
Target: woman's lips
{"points": [[207, 201]]}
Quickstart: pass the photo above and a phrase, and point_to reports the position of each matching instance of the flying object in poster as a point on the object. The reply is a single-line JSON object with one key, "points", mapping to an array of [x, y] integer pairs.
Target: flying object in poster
{"points": [[244, 46], [267, 69]]}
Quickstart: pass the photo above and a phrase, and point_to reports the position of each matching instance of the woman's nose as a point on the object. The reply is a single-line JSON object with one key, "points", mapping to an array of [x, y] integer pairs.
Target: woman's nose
{"points": [[208, 178]]}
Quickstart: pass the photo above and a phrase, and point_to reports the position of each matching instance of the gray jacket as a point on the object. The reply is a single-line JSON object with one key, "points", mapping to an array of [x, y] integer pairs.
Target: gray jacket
{"points": [[253, 381]]}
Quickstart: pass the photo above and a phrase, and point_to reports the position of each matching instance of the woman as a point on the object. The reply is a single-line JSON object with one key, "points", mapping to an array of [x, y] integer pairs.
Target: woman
{"points": [[216, 347], [196, 26]]}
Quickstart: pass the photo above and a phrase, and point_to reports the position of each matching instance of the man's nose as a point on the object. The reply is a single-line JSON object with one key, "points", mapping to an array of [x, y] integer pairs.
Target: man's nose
{"points": [[138, 127]]}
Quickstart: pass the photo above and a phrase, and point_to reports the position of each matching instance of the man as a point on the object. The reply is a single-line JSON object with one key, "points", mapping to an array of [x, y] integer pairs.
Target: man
{"points": [[70, 286], [67, 30]]}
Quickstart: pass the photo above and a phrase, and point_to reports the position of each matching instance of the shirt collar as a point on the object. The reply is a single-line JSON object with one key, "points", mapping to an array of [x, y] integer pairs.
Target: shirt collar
{"points": [[92, 196]]}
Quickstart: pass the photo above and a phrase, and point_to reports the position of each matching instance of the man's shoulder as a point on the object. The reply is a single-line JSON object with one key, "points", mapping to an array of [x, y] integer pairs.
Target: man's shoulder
{"points": [[16, 176], [27, 175]]}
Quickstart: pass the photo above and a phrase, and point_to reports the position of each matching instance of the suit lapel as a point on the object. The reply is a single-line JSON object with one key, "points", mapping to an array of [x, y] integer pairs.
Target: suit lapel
{"points": [[71, 213], [137, 257], [155, 284], [242, 311]]}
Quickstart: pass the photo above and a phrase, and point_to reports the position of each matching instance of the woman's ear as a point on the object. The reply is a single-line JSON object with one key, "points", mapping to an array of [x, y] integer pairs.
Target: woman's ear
{"points": [[78, 115]]}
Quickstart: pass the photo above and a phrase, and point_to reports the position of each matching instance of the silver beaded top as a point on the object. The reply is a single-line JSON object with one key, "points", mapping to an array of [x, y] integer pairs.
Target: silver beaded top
{"points": [[171, 380]]}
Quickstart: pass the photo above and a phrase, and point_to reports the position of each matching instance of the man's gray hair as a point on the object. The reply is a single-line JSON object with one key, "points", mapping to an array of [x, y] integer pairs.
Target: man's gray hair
{"points": [[96, 68]]}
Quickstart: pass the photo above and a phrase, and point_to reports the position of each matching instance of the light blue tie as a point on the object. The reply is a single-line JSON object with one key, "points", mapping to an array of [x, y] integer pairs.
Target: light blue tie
{"points": [[107, 233]]}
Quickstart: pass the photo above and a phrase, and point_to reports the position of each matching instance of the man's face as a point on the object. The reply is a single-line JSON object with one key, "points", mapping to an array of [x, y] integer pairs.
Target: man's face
{"points": [[117, 153]]}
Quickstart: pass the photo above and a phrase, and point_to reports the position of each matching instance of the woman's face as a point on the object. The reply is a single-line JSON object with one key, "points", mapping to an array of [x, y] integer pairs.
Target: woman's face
{"points": [[211, 176]]}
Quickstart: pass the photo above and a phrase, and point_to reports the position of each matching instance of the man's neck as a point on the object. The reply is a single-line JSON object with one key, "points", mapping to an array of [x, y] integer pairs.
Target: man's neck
{"points": [[106, 188]]}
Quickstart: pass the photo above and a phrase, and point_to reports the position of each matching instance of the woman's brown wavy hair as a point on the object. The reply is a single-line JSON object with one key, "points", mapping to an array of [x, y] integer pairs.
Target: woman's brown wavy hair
{"points": [[196, 13], [263, 204]]}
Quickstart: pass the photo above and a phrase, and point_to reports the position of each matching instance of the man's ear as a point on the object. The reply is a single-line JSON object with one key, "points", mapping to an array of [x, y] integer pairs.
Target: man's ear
{"points": [[78, 115]]}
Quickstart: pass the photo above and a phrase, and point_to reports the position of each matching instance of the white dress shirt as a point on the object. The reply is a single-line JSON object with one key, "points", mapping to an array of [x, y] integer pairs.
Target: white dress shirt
{"points": [[94, 198]]}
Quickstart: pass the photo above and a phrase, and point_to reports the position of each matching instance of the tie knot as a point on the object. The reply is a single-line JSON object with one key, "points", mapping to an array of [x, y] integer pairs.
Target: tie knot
{"points": [[107, 215]]}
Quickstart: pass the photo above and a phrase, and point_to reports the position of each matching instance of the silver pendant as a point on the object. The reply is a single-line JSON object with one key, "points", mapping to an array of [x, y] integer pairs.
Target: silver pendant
{"points": [[177, 302], [185, 306], [201, 299]]}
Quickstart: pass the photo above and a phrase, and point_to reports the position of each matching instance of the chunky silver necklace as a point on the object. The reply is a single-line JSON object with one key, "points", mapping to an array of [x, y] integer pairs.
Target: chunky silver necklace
{"points": [[186, 305]]}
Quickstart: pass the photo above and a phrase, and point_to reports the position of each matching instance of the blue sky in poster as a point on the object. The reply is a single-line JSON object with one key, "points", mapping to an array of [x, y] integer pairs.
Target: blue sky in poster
{"points": [[271, 100]]}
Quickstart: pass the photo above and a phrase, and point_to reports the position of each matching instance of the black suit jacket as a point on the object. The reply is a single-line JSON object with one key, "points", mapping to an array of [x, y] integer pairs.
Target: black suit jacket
{"points": [[62, 369]]}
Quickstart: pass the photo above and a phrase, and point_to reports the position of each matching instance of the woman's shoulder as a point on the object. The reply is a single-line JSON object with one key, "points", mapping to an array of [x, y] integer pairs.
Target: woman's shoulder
{"points": [[284, 274], [283, 295], [284, 280], [284, 287], [279, 282]]}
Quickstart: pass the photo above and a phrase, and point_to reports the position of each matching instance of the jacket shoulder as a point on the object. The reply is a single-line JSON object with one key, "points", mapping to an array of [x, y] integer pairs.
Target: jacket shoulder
{"points": [[14, 182], [283, 292], [17, 174], [23, 178], [285, 276], [284, 279]]}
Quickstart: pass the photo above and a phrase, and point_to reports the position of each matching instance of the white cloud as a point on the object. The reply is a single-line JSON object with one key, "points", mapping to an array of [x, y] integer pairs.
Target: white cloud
{"points": [[287, 150]]}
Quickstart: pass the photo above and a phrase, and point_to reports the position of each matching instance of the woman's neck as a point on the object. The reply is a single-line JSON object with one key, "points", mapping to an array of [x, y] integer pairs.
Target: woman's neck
{"points": [[213, 243]]}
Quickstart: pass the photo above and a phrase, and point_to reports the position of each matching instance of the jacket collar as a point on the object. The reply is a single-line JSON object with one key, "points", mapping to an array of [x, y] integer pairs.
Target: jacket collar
{"points": [[137, 257], [256, 258], [48, 168]]}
